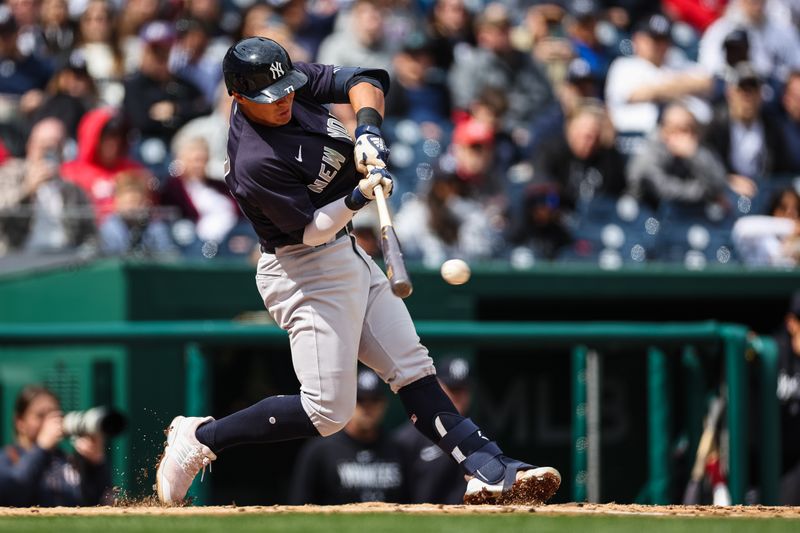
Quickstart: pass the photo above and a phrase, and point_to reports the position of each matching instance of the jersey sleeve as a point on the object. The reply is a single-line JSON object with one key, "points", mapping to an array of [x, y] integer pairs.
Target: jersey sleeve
{"points": [[320, 86], [279, 195], [330, 85]]}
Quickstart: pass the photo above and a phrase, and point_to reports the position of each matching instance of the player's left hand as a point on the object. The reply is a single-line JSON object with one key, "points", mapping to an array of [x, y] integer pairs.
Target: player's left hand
{"points": [[370, 150], [375, 177]]}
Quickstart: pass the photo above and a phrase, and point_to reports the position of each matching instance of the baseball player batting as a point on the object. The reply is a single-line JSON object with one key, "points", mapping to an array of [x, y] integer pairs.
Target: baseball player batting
{"points": [[299, 178]]}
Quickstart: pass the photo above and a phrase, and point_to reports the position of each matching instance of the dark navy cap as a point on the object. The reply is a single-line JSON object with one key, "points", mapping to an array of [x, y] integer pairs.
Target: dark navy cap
{"points": [[453, 372], [584, 9], [368, 385], [742, 74], [579, 70], [7, 22], [737, 37], [657, 26], [158, 32], [76, 62]]}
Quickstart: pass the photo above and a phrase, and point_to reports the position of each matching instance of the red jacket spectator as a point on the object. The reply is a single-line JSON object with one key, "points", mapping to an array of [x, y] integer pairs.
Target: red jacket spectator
{"points": [[102, 154], [697, 13]]}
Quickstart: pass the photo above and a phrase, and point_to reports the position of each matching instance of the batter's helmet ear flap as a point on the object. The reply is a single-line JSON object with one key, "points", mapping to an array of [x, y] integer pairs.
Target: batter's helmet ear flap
{"points": [[260, 69]]}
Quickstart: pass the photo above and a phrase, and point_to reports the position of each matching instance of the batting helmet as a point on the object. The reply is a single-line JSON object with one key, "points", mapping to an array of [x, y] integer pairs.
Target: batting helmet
{"points": [[260, 70]]}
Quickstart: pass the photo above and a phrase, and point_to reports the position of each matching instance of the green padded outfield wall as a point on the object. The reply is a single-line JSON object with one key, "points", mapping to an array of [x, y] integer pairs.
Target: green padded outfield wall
{"points": [[148, 380]]}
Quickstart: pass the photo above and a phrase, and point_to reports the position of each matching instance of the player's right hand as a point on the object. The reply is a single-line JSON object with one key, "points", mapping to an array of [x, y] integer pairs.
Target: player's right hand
{"points": [[375, 177]]}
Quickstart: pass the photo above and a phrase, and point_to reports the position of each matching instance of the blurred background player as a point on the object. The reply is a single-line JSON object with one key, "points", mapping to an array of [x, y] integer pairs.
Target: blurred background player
{"points": [[433, 477], [789, 396], [35, 471], [359, 463]]}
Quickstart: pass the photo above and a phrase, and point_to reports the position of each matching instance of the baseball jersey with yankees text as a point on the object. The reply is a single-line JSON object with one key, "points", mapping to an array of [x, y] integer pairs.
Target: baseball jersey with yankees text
{"points": [[281, 175]]}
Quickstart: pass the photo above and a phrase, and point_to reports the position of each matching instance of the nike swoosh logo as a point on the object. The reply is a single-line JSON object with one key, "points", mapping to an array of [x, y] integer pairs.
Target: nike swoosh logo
{"points": [[299, 156]]}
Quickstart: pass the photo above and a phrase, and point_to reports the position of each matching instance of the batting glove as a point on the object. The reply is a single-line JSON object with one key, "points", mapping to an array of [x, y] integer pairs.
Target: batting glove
{"points": [[375, 177], [370, 149]]}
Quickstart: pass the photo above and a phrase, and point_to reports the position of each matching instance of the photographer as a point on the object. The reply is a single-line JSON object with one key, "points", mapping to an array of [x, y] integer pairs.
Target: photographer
{"points": [[34, 471]]}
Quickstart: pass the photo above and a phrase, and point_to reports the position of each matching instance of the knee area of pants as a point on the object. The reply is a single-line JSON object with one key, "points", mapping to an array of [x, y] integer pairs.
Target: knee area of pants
{"points": [[327, 426], [333, 421]]}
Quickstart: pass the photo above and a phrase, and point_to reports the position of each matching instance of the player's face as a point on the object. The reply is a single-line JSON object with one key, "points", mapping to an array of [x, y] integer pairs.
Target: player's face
{"points": [[277, 113]]}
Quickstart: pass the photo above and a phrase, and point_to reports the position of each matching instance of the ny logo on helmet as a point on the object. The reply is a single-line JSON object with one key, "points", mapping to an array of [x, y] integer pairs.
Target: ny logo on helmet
{"points": [[277, 70]]}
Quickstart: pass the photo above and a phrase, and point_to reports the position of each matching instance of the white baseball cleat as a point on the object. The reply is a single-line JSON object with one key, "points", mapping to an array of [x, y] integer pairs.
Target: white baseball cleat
{"points": [[532, 487], [184, 456]]}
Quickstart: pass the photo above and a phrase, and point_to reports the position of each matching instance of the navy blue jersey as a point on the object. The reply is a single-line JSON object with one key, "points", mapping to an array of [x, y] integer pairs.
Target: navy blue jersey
{"points": [[281, 175]]}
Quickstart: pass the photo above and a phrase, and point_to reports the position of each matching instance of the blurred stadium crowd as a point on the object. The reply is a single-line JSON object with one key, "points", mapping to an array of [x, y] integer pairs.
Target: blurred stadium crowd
{"points": [[603, 132]]}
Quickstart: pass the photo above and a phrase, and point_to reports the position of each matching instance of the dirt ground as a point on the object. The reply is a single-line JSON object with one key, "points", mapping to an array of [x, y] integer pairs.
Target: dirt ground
{"points": [[559, 509]]}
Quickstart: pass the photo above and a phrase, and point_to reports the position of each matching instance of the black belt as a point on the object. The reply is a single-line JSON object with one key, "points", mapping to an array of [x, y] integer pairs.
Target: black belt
{"points": [[339, 234]]}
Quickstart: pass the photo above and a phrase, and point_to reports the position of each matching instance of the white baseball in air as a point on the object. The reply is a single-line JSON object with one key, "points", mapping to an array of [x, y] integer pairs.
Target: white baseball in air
{"points": [[455, 271]]}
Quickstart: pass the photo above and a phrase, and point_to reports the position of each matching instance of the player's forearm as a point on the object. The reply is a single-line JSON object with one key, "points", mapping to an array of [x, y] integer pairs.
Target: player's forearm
{"points": [[366, 95], [327, 220]]}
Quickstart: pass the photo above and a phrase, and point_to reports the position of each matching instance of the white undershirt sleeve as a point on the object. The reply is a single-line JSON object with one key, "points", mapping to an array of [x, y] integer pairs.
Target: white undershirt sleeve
{"points": [[327, 221]]}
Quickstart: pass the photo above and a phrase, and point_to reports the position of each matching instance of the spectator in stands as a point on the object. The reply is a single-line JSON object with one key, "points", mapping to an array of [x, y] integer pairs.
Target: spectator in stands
{"points": [[27, 14], [157, 102], [70, 94], [205, 12], [102, 153], [23, 76], [495, 63], [104, 59], [308, 24], [275, 27], [449, 219], [358, 464], [253, 19], [434, 477], [490, 109], [581, 26], [214, 129], [35, 472], [134, 228], [540, 226], [542, 33], [360, 41], [744, 135], [473, 156], [772, 239], [637, 85], [736, 48], [583, 162], [789, 396], [419, 90], [193, 59], [790, 120], [204, 201], [774, 44], [58, 30], [133, 17], [450, 30], [40, 212], [673, 165], [579, 85]]}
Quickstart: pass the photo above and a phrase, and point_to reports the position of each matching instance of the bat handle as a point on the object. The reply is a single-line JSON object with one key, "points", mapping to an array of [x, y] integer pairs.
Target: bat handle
{"points": [[383, 209]]}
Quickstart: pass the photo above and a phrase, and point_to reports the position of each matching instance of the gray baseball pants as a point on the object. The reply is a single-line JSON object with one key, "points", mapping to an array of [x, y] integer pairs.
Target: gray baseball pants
{"points": [[338, 308]]}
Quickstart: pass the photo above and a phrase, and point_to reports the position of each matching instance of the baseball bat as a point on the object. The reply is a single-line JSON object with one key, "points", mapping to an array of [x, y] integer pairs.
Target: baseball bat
{"points": [[392, 255], [691, 496]]}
